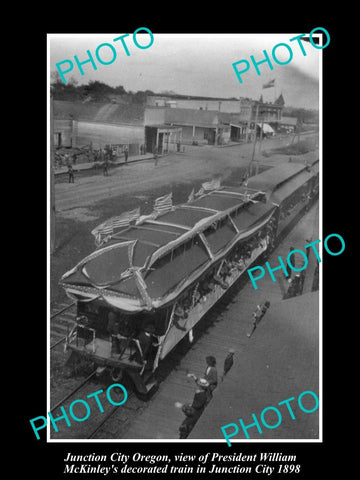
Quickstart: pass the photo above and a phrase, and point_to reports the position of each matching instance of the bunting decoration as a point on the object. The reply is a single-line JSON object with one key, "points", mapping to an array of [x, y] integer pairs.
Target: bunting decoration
{"points": [[106, 229], [163, 204], [144, 218]]}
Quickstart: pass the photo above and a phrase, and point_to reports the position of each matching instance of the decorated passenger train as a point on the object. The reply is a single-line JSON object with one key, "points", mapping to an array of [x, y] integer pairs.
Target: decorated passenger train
{"points": [[153, 277]]}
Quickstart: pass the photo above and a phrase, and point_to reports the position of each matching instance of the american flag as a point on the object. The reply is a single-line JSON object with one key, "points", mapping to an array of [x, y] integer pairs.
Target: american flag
{"points": [[107, 228], [269, 84], [200, 192], [125, 218], [163, 204], [213, 185]]}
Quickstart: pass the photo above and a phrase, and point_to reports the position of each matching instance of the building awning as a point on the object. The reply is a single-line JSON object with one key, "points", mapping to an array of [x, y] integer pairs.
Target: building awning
{"points": [[163, 128], [266, 127]]}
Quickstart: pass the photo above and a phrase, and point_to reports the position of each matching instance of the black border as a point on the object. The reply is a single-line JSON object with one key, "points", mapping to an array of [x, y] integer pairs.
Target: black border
{"points": [[315, 458]]}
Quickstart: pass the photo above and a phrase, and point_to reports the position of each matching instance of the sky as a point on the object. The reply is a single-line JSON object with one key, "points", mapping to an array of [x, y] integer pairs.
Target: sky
{"points": [[196, 64]]}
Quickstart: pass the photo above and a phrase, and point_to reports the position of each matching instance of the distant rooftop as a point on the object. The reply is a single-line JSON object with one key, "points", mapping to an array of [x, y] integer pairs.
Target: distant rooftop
{"points": [[194, 97], [132, 114]]}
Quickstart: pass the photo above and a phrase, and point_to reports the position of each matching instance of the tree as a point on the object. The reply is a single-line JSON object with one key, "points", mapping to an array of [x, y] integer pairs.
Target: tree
{"points": [[64, 91], [119, 90]]}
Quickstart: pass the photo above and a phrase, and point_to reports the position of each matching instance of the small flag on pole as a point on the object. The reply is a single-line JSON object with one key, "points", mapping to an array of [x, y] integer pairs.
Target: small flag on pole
{"points": [[213, 185], [125, 218], [107, 228], [200, 192], [269, 84], [163, 204]]}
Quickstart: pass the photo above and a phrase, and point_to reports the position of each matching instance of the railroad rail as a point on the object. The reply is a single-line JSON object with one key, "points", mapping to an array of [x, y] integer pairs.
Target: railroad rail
{"points": [[98, 421], [61, 319]]}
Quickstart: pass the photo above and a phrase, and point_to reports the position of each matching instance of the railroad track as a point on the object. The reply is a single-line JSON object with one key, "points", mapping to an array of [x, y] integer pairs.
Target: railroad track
{"points": [[107, 422], [62, 318], [99, 424]]}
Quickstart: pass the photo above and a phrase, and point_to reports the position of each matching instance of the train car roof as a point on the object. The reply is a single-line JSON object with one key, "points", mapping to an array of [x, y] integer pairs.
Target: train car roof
{"points": [[128, 265], [272, 178], [132, 271], [286, 189]]}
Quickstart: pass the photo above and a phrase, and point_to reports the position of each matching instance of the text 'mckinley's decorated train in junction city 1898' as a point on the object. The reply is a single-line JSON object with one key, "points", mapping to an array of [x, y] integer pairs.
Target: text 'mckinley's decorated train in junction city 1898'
{"points": [[153, 277]]}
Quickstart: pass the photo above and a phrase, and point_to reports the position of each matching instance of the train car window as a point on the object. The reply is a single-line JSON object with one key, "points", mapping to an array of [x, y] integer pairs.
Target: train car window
{"points": [[220, 234], [176, 252], [164, 276], [162, 261]]}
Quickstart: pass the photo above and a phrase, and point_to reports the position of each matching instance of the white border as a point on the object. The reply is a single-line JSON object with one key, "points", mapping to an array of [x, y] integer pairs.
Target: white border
{"points": [[218, 440]]}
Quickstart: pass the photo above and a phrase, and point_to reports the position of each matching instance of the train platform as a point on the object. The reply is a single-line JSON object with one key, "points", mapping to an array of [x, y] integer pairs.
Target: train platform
{"points": [[280, 360]]}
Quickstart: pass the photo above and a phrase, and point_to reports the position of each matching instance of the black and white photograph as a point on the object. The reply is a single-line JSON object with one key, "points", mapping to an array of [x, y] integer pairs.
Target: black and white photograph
{"points": [[184, 236], [186, 252]]}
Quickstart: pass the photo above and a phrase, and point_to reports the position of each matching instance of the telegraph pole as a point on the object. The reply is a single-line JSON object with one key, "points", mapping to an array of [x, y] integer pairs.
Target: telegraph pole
{"points": [[253, 152]]}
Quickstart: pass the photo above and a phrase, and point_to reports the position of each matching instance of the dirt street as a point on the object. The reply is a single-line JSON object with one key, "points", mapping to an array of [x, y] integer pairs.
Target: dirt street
{"points": [[194, 165]]}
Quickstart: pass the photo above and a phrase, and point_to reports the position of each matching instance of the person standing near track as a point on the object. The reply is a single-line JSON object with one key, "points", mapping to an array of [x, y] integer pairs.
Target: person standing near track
{"points": [[71, 174], [258, 315], [228, 362], [126, 153], [210, 375], [194, 410], [106, 168]]}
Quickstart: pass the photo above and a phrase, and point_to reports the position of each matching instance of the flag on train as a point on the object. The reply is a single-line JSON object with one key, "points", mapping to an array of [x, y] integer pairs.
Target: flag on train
{"points": [[163, 204], [103, 231], [191, 196], [200, 192], [213, 185]]}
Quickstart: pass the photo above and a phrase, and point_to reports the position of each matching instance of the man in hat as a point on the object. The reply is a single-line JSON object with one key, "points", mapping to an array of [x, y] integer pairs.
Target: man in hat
{"points": [[146, 340], [189, 421], [194, 411], [179, 314], [228, 362], [210, 375], [71, 174], [200, 397]]}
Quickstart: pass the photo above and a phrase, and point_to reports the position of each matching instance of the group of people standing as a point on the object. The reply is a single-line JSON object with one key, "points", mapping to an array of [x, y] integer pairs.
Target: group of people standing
{"points": [[104, 156], [204, 389]]}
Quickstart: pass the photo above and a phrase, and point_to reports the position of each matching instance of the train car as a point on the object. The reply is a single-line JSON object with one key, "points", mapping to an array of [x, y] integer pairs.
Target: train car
{"points": [[151, 281]]}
